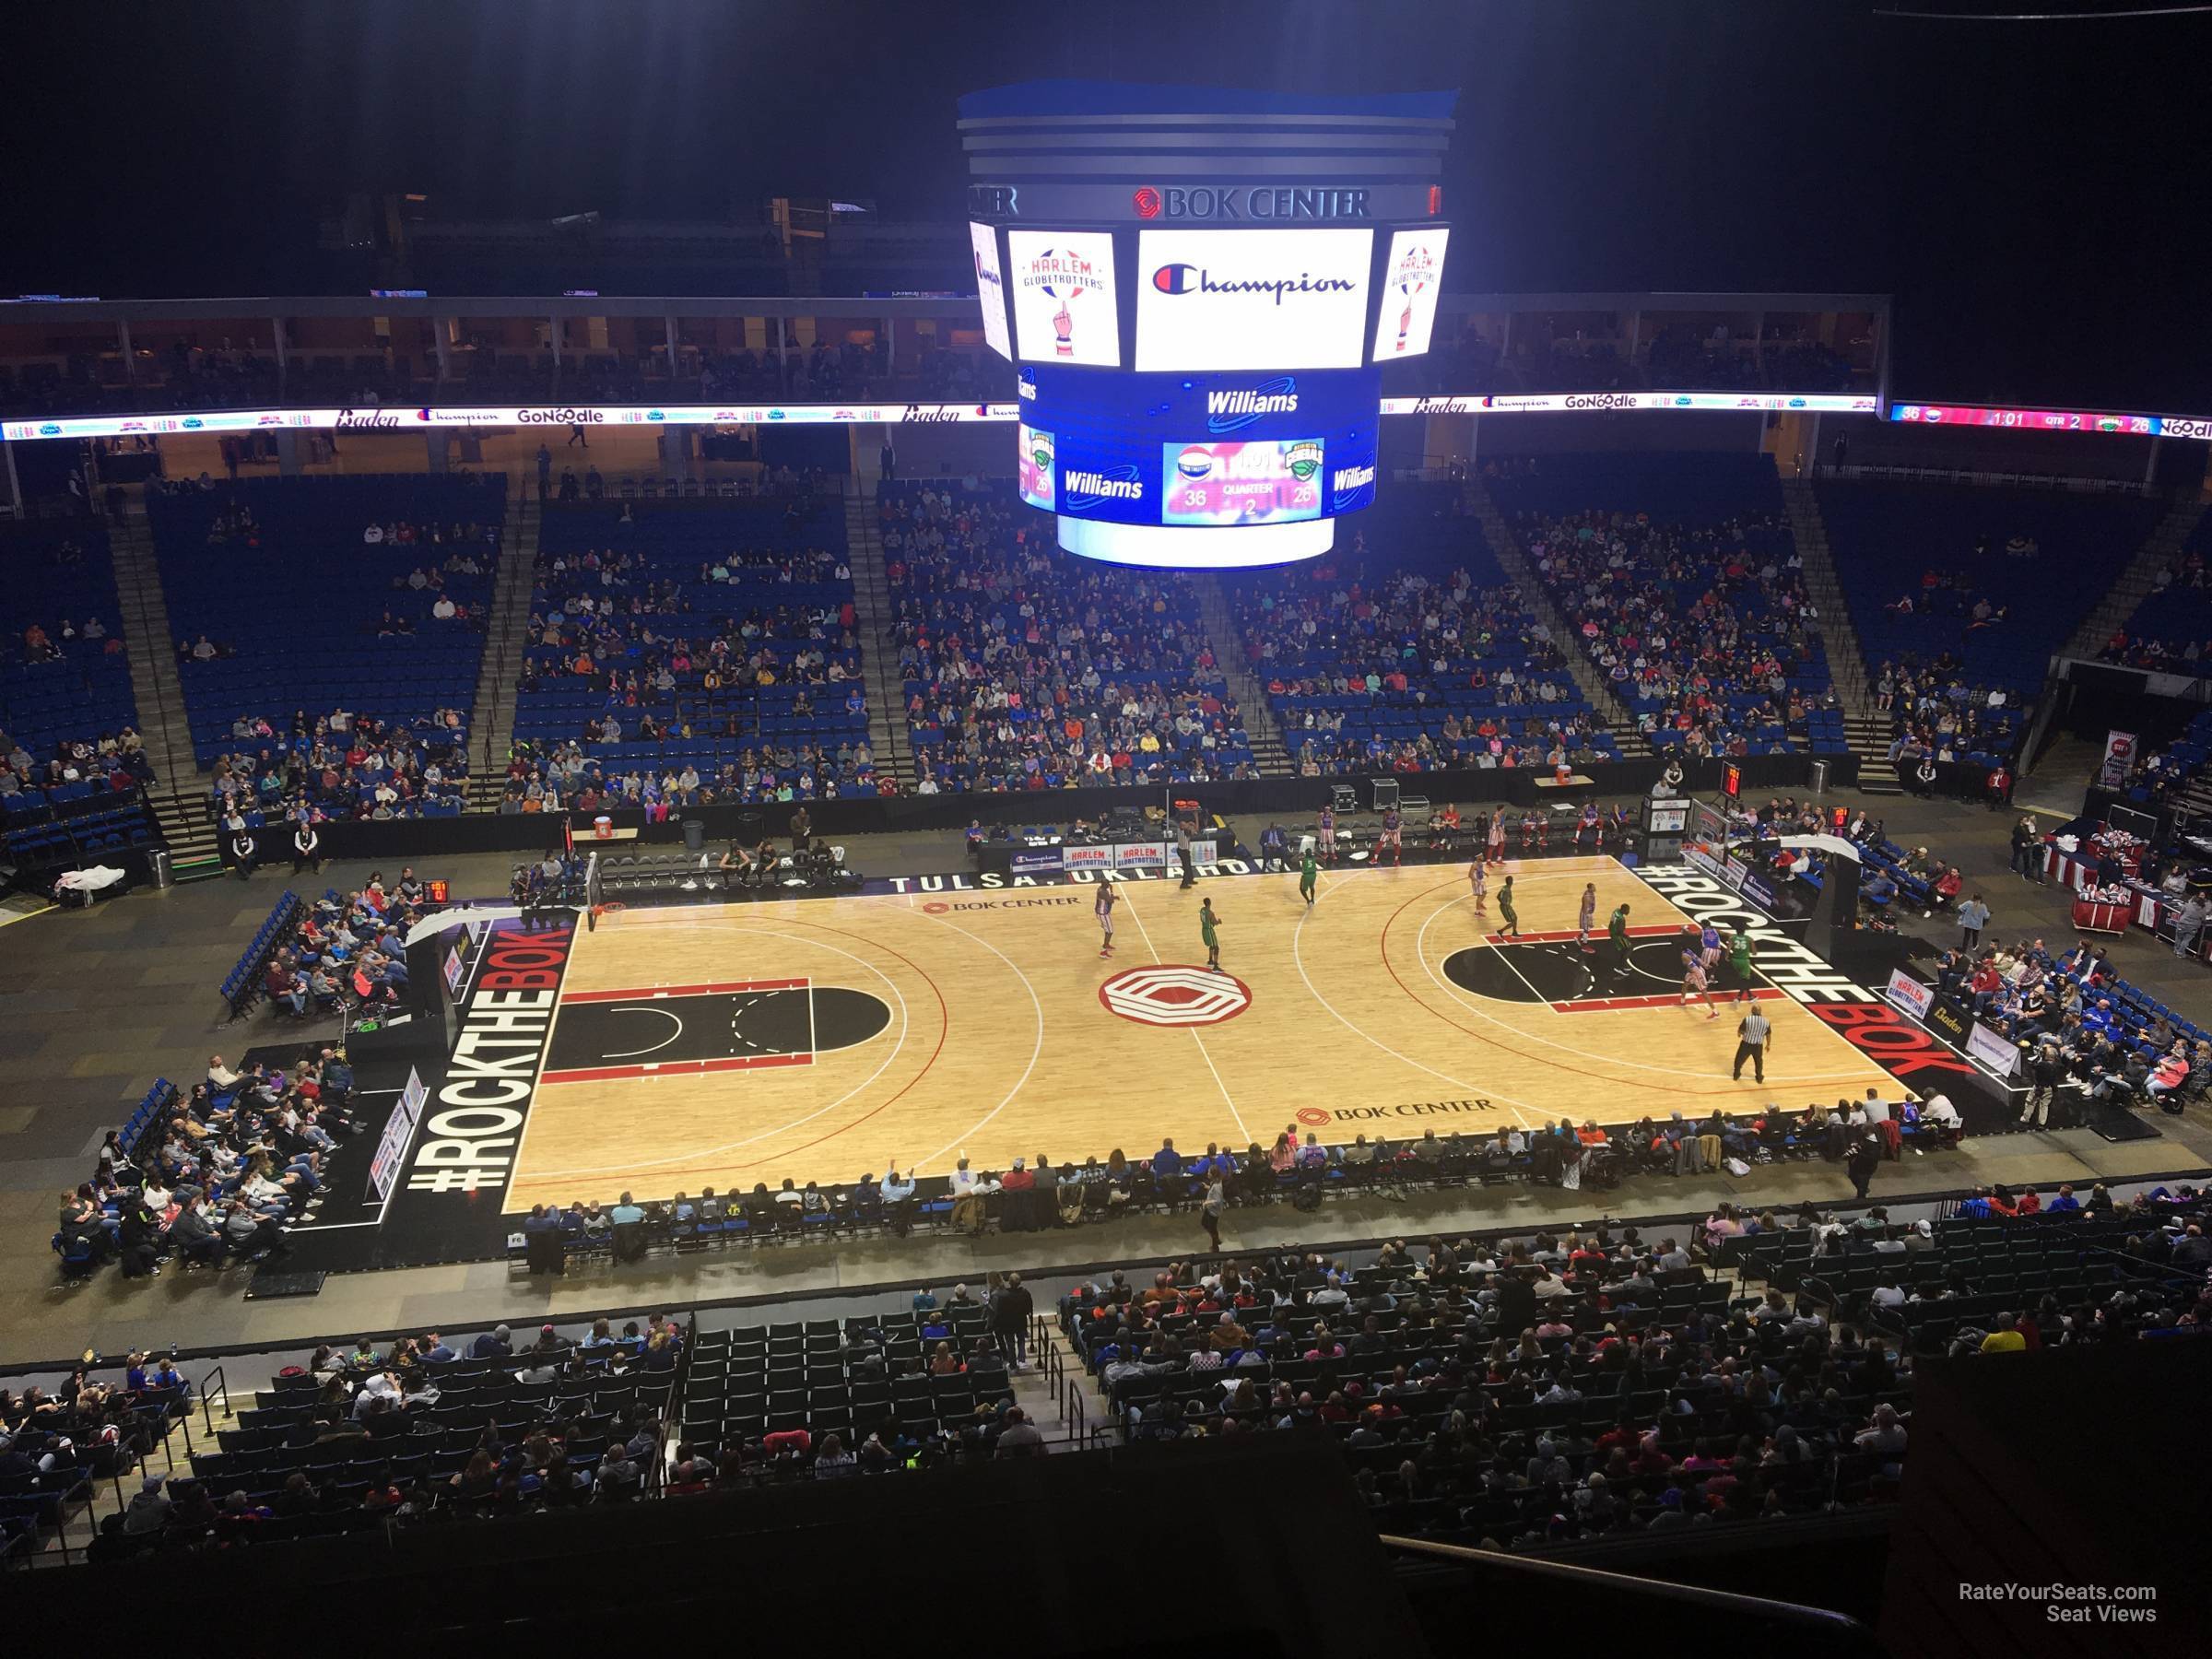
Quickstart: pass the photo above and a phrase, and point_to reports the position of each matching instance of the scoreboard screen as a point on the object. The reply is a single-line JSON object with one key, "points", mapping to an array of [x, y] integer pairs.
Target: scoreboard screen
{"points": [[1243, 483]]}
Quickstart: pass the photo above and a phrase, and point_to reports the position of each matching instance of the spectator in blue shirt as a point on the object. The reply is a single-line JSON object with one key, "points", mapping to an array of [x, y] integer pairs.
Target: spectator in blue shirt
{"points": [[1166, 1163]]}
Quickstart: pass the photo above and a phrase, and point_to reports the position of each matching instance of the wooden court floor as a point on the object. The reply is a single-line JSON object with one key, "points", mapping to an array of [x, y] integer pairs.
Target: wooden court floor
{"points": [[827, 1039]]}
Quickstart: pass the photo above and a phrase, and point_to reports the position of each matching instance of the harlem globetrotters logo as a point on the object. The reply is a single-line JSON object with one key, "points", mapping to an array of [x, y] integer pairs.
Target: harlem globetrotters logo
{"points": [[1303, 459], [1066, 277], [1414, 270]]}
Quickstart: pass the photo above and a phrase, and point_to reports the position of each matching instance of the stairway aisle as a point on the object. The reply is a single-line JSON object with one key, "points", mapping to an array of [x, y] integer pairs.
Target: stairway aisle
{"points": [[177, 796], [1615, 714], [1865, 729], [878, 652], [506, 638], [2133, 583], [1269, 750]]}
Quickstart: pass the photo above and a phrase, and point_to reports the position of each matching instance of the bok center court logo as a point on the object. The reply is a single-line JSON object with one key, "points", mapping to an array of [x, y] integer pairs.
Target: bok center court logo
{"points": [[1173, 994]]}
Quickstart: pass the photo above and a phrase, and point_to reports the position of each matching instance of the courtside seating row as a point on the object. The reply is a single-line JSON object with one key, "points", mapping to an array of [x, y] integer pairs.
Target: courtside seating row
{"points": [[1886, 535], [242, 985], [101, 825], [148, 1113]]}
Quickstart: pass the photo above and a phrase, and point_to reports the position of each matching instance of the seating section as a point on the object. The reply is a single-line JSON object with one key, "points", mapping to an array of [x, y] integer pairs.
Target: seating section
{"points": [[64, 681], [1983, 1263], [475, 1436], [1610, 1400], [1681, 577], [2172, 629], [1409, 651], [284, 612], [242, 986], [72, 824], [853, 1378], [1026, 667], [685, 652], [1959, 592]]}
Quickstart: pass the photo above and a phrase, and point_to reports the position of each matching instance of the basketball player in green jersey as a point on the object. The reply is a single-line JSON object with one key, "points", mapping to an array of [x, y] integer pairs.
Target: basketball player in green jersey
{"points": [[1307, 874], [1212, 940], [1616, 934], [1512, 930], [1740, 962]]}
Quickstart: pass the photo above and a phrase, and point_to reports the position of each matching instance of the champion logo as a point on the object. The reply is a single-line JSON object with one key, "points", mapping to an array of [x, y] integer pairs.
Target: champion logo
{"points": [[1197, 279]]}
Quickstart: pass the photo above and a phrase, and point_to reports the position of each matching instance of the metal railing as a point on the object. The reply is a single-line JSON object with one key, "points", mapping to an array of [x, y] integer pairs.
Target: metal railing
{"points": [[1830, 1629]]}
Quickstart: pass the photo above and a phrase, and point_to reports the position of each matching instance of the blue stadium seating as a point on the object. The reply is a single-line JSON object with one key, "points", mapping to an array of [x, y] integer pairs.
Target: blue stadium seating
{"points": [[1886, 537], [1412, 533], [300, 603], [87, 690], [1731, 502], [770, 538]]}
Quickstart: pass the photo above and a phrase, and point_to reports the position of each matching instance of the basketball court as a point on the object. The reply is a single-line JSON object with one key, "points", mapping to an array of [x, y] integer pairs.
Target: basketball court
{"points": [[829, 1039]]}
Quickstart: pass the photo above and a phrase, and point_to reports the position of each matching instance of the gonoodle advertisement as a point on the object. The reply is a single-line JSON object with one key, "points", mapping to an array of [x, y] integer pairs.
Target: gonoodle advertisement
{"points": [[1220, 483]]}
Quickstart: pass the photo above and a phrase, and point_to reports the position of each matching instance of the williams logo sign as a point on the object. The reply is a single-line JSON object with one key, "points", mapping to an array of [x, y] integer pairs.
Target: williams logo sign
{"points": [[1082, 489], [1230, 411]]}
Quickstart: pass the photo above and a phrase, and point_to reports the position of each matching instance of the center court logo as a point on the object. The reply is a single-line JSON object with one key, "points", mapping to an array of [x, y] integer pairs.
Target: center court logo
{"points": [[1174, 994]]}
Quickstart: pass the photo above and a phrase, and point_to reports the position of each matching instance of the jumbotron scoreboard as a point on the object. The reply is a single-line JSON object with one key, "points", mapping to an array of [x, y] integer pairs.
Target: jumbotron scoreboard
{"points": [[1199, 288]]}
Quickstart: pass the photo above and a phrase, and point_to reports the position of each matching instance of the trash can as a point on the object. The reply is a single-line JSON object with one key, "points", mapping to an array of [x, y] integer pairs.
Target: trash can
{"points": [[1818, 779], [158, 867], [695, 834]]}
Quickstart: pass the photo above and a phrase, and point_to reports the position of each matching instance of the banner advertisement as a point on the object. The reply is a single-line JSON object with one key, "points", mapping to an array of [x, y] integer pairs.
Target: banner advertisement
{"points": [[2119, 755], [1412, 280], [991, 288], [399, 1129], [1062, 287], [1252, 298], [1754, 889], [1086, 857], [1569, 403], [1034, 860], [1727, 871], [219, 421], [1909, 993], [1140, 855], [2000, 1054], [1945, 1017]]}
